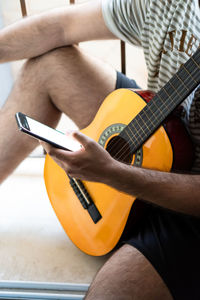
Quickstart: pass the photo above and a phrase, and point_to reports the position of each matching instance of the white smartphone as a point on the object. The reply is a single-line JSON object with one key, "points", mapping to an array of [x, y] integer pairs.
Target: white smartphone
{"points": [[45, 133]]}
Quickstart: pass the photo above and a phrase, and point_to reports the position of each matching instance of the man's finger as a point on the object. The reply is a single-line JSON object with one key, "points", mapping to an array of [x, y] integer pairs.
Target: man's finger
{"points": [[55, 152], [45, 145], [82, 138]]}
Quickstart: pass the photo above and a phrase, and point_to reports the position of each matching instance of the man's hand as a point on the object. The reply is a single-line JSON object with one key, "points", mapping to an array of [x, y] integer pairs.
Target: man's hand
{"points": [[91, 163], [178, 192]]}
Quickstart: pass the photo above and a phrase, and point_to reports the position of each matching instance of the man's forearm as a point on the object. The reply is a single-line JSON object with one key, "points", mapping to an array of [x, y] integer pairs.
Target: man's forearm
{"points": [[31, 37], [178, 192], [68, 25]]}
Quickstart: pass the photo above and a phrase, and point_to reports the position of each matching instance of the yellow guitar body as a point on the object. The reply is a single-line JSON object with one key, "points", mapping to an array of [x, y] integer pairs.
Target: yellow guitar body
{"points": [[120, 107]]}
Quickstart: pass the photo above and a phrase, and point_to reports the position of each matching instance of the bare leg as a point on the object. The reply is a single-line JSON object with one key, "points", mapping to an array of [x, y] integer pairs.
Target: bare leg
{"points": [[128, 275], [63, 80]]}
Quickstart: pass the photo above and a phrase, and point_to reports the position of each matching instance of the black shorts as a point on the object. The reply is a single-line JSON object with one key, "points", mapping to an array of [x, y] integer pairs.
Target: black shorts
{"points": [[169, 240]]}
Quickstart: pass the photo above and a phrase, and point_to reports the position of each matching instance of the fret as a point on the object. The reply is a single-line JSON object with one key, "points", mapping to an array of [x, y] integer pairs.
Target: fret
{"points": [[174, 88], [137, 130], [147, 116], [130, 137], [162, 98], [136, 139], [148, 123], [170, 96], [133, 143], [160, 111], [182, 82], [142, 123], [154, 113], [188, 73], [130, 130], [164, 102], [195, 63], [191, 81], [160, 102], [191, 65], [177, 84], [141, 126]]}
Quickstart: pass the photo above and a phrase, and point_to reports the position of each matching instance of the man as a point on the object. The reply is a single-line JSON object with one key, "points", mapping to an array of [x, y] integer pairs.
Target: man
{"points": [[160, 261]]}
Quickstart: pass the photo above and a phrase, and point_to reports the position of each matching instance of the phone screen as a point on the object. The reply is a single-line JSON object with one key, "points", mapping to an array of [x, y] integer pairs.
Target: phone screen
{"points": [[48, 134]]}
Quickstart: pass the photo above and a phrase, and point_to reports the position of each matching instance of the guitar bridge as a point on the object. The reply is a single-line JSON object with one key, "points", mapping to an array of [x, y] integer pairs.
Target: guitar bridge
{"points": [[85, 199]]}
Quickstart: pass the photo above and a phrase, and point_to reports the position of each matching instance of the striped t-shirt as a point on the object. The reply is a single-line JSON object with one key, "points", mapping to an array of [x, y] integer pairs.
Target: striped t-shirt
{"points": [[169, 32]]}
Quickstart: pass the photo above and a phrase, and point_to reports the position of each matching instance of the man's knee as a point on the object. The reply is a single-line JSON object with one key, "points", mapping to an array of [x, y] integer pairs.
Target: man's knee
{"points": [[62, 53], [55, 57], [41, 68], [128, 275]]}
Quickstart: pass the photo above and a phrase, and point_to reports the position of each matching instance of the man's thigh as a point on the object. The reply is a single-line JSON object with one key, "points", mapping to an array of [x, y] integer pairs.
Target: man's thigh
{"points": [[77, 83], [128, 275]]}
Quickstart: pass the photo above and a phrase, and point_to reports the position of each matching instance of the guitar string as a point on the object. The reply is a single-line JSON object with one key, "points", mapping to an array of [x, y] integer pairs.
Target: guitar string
{"points": [[162, 104], [134, 143], [127, 147], [138, 135], [188, 72], [175, 89], [114, 143], [139, 126]]}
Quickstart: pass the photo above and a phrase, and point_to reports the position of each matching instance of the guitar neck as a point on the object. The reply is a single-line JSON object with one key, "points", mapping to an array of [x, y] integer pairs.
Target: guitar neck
{"points": [[164, 102]]}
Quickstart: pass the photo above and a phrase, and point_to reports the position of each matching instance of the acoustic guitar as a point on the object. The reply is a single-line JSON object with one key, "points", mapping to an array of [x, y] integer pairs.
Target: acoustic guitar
{"points": [[128, 126]]}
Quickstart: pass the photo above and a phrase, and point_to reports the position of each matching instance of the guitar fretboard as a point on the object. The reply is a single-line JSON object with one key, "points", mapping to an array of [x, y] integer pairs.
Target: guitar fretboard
{"points": [[164, 102]]}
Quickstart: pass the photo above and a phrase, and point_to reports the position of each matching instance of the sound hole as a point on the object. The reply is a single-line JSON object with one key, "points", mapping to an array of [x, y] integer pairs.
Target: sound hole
{"points": [[119, 149]]}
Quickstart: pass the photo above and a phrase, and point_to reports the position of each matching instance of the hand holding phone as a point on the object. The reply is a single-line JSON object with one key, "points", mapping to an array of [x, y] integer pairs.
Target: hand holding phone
{"points": [[45, 133]]}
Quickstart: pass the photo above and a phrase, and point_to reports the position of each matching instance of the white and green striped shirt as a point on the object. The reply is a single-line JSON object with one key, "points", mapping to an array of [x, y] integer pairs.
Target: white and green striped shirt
{"points": [[169, 32]]}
